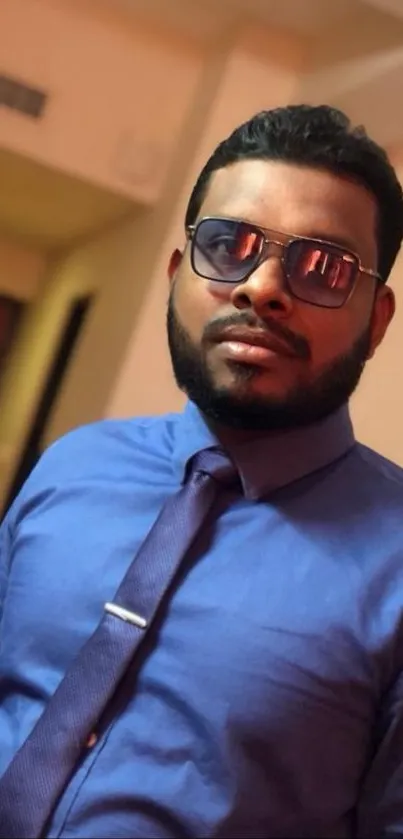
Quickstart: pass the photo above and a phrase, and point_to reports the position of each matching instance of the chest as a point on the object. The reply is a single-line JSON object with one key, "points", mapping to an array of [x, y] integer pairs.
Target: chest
{"points": [[264, 598], [267, 657]]}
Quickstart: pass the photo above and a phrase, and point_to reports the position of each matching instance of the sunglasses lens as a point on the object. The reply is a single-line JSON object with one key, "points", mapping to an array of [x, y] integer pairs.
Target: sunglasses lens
{"points": [[225, 250], [320, 274]]}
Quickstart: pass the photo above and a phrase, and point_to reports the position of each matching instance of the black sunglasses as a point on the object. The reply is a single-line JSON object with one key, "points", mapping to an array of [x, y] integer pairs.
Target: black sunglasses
{"points": [[229, 250]]}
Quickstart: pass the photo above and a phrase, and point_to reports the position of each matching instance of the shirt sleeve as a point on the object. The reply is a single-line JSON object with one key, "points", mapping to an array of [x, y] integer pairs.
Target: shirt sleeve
{"points": [[380, 811], [5, 559]]}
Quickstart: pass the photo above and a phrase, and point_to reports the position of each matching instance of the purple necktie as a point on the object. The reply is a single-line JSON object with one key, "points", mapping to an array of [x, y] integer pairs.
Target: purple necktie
{"points": [[41, 769]]}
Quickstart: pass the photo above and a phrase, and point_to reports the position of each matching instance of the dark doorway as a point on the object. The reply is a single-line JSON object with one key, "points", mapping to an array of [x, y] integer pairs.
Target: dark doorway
{"points": [[33, 448], [11, 311]]}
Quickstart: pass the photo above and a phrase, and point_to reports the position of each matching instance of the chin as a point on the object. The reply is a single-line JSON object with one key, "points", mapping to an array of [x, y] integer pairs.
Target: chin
{"points": [[250, 380]]}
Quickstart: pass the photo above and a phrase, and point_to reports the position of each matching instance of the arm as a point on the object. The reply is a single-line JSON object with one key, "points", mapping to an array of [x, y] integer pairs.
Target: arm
{"points": [[37, 482], [380, 810], [5, 559]]}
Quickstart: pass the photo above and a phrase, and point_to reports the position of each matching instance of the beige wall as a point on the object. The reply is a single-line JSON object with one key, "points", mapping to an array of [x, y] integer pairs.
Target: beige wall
{"points": [[102, 72], [21, 269], [254, 79], [106, 267], [377, 408], [105, 123], [109, 266], [260, 70]]}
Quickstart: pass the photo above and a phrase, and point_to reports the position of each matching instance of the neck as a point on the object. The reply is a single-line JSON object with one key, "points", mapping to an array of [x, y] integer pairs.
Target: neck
{"points": [[229, 436], [232, 436]]}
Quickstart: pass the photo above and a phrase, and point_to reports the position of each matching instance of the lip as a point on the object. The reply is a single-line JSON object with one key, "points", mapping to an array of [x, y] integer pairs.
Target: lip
{"points": [[249, 338]]}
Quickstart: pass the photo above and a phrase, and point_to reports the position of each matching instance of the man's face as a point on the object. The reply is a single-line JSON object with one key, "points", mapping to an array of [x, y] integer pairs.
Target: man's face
{"points": [[317, 354]]}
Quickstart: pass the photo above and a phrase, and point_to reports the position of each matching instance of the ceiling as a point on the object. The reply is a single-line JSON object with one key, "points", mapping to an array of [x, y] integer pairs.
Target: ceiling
{"points": [[393, 7], [48, 209], [203, 18]]}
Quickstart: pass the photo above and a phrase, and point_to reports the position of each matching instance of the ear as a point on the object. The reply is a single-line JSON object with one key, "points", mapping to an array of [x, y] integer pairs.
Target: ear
{"points": [[382, 315], [174, 264]]}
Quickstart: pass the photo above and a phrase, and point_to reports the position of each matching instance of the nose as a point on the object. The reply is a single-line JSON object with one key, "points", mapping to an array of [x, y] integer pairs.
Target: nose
{"points": [[265, 290]]}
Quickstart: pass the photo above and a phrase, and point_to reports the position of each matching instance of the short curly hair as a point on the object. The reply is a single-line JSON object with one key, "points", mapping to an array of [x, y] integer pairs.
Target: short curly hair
{"points": [[320, 137]]}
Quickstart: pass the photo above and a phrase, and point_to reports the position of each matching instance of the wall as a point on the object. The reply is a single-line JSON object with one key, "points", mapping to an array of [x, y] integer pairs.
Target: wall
{"points": [[259, 69], [101, 71], [377, 408], [105, 267], [21, 269], [121, 365], [254, 79], [109, 266], [359, 68]]}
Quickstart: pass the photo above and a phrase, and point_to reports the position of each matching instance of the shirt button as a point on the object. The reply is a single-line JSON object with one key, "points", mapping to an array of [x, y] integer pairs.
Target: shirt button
{"points": [[91, 741]]}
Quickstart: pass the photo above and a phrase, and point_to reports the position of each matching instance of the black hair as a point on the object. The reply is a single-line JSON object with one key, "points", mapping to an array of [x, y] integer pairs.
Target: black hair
{"points": [[320, 137]]}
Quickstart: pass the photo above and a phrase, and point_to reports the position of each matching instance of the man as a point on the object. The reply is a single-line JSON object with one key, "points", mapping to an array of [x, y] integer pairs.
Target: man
{"points": [[254, 687]]}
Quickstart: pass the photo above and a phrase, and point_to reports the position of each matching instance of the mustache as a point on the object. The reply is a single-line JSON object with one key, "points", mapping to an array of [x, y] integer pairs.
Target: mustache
{"points": [[297, 343]]}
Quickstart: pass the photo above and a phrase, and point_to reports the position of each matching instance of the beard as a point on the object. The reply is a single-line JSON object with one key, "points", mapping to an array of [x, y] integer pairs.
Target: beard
{"points": [[303, 405]]}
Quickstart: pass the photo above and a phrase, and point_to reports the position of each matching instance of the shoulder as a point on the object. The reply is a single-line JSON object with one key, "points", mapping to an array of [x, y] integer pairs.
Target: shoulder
{"points": [[108, 450], [376, 477], [108, 437], [379, 468]]}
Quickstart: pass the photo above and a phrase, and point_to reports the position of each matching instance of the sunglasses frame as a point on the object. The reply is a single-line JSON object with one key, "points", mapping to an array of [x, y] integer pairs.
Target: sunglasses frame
{"points": [[268, 239]]}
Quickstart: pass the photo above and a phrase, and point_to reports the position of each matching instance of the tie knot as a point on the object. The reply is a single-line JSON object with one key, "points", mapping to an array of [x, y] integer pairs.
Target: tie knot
{"points": [[216, 463]]}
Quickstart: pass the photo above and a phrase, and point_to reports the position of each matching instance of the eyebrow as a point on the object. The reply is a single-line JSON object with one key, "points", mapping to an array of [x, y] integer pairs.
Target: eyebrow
{"points": [[341, 241]]}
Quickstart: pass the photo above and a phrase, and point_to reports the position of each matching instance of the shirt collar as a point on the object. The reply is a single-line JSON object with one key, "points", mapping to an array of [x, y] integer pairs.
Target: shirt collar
{"points": [[271, 462]]}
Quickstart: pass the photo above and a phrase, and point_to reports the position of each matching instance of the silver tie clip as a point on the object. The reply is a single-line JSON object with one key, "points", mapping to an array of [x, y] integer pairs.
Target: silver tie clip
{"points": [[125, 615]]}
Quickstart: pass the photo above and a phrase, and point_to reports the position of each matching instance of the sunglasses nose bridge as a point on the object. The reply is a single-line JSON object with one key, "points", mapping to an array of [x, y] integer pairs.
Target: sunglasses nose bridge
{"points": [[266, 286], [272, 249]]}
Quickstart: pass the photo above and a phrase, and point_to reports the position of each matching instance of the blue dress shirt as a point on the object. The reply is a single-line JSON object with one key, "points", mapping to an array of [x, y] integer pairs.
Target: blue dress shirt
{"points": [[271, 702]]}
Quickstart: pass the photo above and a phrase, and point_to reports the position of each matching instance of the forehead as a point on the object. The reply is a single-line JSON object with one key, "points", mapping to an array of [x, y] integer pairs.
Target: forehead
{"points": [[296, 199]]}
